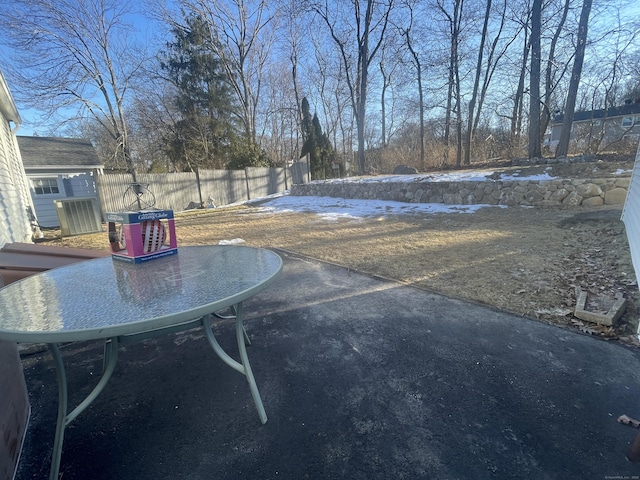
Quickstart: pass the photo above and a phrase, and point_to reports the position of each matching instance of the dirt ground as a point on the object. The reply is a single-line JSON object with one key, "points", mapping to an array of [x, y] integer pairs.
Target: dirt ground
{"points": [[528, 261]]}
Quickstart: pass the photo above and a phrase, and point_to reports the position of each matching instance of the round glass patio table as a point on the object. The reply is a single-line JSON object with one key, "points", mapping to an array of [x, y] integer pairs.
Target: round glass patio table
{"points": [[123, 302]]}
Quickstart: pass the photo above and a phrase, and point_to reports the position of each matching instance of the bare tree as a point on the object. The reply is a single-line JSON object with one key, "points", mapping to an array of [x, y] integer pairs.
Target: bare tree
{"points": [[370, 27], [241, 36], [75, 56], [391, 62], [534, 81], [497, 52], [417, 63], [570, 105], [551, 81], [518, 98], [327, 87], [454, 95], [494, 57], [476, 85], [294, 43]]}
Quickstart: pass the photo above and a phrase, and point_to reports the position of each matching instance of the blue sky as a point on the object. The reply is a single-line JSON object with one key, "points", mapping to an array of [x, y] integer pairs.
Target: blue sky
{"points": [[148, 31]]}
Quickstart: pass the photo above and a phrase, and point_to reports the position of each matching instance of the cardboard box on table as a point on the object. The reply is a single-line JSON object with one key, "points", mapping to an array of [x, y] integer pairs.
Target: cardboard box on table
{"points": [[142, 235]]}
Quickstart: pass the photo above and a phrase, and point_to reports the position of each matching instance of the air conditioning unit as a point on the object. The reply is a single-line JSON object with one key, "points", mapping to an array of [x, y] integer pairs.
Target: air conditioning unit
{"points": [[78, 216]]}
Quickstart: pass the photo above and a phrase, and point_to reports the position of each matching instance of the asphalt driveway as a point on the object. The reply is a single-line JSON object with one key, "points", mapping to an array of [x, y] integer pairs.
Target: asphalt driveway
{"points": [[361, 378]]}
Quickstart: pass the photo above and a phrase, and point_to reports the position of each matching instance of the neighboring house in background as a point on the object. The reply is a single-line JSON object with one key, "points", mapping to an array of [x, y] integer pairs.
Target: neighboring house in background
{"points": [[58, 168], [17, 220], [615, 128]]}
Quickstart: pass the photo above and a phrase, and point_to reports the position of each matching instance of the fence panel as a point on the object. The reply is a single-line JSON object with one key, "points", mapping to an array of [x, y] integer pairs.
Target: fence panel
{"points": [[173, 191], [277, 180], [299, 173], [264, 181], [111, 190], [179, 191], [223, 187]]}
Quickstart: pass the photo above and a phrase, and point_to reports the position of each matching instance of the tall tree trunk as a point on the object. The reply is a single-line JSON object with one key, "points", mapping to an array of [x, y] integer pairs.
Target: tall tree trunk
{"points": [[383, 135], [416, 61], [549, 85], [570, 106], [453, 87], [476, 85], [358, 88], [363, 70], [383, 107], [454, 31], [458, 108], [516, 114], [534, 81], [492, 64], [421, 100]]}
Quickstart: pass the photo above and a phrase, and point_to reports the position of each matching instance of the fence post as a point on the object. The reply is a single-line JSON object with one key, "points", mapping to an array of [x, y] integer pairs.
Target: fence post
{"points": [[199, 187], [246, 181]]}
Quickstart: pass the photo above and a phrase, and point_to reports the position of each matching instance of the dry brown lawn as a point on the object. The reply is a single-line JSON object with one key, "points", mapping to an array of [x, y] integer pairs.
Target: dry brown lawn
{"points": [[527, 261]]}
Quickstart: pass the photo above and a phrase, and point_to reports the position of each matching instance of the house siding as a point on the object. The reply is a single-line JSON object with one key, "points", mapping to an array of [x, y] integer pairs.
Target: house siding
{"points": [[80, 184], [631, 216], [601, 129], [15, 203], [72, 162]]}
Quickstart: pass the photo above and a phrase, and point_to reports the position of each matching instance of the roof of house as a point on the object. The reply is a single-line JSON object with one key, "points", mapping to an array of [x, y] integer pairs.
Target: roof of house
{"points": [[56, 152], [7, 105], [621, 111]]}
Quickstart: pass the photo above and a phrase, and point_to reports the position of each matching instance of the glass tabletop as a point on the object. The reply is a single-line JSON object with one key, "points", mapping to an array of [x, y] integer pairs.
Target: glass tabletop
{"points": [[104, 297]]}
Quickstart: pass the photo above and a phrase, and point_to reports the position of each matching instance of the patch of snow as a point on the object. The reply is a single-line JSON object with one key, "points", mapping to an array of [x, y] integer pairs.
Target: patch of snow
{"points": [[235, 241], [538, 177], [465, 176], [333, 209]]}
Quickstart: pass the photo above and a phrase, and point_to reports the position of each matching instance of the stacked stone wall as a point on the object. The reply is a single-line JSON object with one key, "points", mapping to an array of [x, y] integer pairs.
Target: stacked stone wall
{"points": [[538, 193]]}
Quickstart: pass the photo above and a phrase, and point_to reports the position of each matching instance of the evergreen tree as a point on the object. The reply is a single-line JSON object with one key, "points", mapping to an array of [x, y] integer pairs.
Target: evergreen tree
{"points": [[316, 144], [204, 134]]}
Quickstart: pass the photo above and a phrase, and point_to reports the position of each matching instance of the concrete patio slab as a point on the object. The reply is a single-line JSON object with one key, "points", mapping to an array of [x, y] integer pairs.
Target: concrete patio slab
{"points": [[362, 378]]}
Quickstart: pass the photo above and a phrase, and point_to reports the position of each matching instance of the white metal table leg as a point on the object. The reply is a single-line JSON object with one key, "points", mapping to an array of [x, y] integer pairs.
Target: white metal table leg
{"points": [[244, 367], [62, 412], [64, 418], [240, 336]]}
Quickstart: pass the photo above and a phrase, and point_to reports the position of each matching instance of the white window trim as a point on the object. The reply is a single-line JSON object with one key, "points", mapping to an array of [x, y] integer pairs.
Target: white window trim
{"points": [[35, 179]]}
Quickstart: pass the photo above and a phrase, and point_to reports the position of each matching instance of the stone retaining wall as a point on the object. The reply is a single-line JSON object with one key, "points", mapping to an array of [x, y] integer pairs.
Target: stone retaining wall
{"points": [[540, 193]]}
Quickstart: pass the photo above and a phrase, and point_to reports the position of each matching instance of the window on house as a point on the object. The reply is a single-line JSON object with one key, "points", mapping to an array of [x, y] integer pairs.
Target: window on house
{"points": [[45, 186], [627, 122]]}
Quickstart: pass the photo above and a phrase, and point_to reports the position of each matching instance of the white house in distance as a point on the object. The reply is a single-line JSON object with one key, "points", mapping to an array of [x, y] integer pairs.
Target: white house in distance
{"points": [[58, 168], [616, 128], [17, 214]]}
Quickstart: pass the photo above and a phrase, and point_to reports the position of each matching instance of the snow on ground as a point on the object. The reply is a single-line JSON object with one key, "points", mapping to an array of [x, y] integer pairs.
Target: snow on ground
{"points": [[332, 209], [461, 176]]}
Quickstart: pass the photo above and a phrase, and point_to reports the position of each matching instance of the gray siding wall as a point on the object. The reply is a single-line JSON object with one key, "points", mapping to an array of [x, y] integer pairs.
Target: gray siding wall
{"points": [[79, 184], [631, 216], [15, 203]]}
